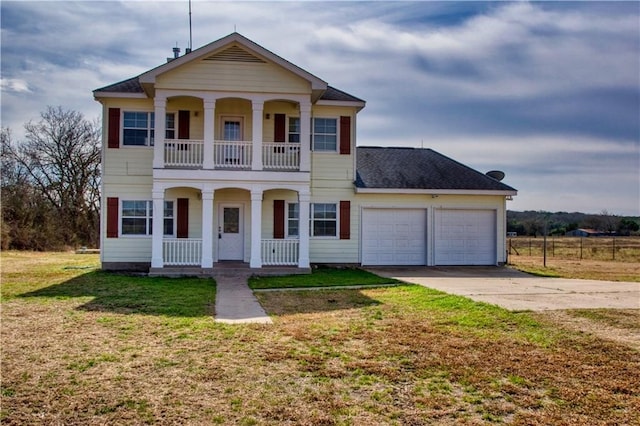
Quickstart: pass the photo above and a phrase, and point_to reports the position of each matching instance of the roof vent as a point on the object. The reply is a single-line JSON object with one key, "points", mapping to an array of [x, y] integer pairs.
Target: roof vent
{"points": [[234, 54], [496, 174]]}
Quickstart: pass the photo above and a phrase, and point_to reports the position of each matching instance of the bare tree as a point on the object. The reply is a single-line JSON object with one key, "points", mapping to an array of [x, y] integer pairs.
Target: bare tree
{"points": [[61, 159]]}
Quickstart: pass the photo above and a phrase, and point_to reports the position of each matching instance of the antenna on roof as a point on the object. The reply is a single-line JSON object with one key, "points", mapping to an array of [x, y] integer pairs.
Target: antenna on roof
{"points": [[190, 32], [234, 28]]}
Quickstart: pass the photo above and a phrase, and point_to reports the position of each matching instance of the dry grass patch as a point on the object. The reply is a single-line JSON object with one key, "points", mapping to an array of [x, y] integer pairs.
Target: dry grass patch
{"points": [[406, 355], [581, 269]]}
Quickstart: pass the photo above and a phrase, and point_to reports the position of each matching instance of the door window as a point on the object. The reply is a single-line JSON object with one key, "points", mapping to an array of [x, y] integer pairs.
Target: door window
{"points": [[231, 224]]}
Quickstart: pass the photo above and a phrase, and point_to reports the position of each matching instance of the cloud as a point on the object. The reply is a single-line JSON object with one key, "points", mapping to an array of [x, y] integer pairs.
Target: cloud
{"points": [[14, 85], [549, 92]]}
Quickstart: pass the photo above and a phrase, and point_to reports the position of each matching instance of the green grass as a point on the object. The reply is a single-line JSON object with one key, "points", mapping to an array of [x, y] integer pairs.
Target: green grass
{"points": [[321, 277], [82, 346]]}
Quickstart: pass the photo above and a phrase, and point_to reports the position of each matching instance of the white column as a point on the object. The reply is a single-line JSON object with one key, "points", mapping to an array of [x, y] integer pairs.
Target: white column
{"points": [[256, 162], [305, 137], [159, 111], [209, 133], [303, 229], [256, 229], [207, 228], [157, 257]]}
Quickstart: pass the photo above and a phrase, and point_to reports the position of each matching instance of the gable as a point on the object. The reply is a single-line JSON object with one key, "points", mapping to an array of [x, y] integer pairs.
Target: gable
{"points": [[240, 55], [233, 68]]}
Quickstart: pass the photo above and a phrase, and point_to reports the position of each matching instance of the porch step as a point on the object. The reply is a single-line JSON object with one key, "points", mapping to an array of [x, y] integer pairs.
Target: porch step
{"points": [[181, 271], [226, 270]]}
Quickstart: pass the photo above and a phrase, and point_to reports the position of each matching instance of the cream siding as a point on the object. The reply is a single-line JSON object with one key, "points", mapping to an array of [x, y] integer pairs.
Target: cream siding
{"points": [[233, 76]]}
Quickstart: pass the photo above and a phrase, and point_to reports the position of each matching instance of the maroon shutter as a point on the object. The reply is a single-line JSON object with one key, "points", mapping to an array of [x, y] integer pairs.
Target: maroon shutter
{"points": [[112, 217], [345, 220], [183, 218], [113, 138], [278, 218], [345, 135], [280, 128], [183, 124]]}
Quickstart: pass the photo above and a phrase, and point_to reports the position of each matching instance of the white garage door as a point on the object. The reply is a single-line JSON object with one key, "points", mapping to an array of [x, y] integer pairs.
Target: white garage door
{"points": [[394, 236], [465, 237]]}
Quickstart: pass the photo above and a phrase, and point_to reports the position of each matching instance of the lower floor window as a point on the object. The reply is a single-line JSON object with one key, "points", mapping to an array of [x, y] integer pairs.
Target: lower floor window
{"points": [[137, 217], [324, 220], [293, 220]]}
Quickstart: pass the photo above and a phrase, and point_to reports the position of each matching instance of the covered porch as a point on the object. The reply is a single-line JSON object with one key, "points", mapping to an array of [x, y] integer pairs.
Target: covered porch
{"points": [[208, 227]]}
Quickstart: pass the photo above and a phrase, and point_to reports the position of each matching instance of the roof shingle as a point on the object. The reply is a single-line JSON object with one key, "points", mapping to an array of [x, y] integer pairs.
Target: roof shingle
{"points": [[415, 168]]}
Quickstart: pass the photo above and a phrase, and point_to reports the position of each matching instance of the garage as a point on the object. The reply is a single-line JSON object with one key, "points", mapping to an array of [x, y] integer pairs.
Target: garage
{"points": [[394, 236], [465, 237]]}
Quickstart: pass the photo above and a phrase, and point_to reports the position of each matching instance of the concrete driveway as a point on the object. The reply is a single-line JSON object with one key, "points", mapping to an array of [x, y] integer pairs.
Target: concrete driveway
{"points": [[515, 290]]}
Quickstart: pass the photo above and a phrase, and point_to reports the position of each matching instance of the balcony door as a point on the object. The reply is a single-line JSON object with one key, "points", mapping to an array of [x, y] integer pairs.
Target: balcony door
{"points": [[230, 232], [232, 131]]}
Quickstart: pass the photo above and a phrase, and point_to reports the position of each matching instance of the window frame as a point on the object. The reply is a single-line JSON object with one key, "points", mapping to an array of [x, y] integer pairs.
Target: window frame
{"points": [[175, 125], [150, 138], [290, 133], [231, 118], [288, 218], [312, 207], [148, 218], [313, 134]]}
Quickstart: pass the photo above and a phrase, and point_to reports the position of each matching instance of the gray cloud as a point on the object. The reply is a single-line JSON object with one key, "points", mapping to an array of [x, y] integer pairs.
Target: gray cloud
{"points": [[549, 92]]}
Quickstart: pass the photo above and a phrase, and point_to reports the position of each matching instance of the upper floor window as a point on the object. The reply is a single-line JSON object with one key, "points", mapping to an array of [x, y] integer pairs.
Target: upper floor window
{"points": [[170, 125], [138, 128], [294, 129], [325, 134]]}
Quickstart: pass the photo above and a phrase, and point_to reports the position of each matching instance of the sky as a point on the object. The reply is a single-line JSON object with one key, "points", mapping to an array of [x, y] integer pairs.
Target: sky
{"points": [[548, 92]]}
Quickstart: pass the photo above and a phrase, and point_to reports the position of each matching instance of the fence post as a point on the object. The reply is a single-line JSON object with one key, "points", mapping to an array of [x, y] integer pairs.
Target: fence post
{"points": [[529, 246], [614, 248], [581, 248]]}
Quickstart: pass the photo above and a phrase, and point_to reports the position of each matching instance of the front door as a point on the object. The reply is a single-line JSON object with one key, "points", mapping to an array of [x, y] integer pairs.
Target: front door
{"points": [[230, 232]]}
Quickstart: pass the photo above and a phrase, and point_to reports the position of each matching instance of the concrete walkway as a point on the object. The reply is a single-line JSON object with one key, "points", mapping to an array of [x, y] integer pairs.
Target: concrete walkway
{"points": [[236, 303], [515, 290]]}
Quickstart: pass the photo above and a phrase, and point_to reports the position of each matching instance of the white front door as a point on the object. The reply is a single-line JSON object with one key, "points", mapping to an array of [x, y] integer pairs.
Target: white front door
{"points": [[230, 232]]}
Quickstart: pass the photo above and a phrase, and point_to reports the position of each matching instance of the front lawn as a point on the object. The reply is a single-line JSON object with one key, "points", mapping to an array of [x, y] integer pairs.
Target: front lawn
{"points": [[84, 347], [321, 277]]}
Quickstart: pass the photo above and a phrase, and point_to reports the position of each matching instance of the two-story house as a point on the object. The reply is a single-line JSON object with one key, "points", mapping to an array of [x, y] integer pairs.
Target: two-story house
{"points": [[232, 153]]}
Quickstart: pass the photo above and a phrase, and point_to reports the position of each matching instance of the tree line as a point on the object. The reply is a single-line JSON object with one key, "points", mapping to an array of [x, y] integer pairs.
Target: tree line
{"points": [[50, 183], [533, 223]]}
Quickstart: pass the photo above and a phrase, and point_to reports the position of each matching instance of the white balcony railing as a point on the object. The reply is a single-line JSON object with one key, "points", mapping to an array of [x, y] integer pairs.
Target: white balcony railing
{"points": [[189, 153], [183, 152], [281, 156], [232, 154], [182, 251], [280, 252]]}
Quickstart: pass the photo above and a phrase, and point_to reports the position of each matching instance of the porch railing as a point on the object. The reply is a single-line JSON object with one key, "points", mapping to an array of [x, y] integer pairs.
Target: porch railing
{"points": [[281, 156], [182, 251], [183, 152], [232, 154], [280, 252]]}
